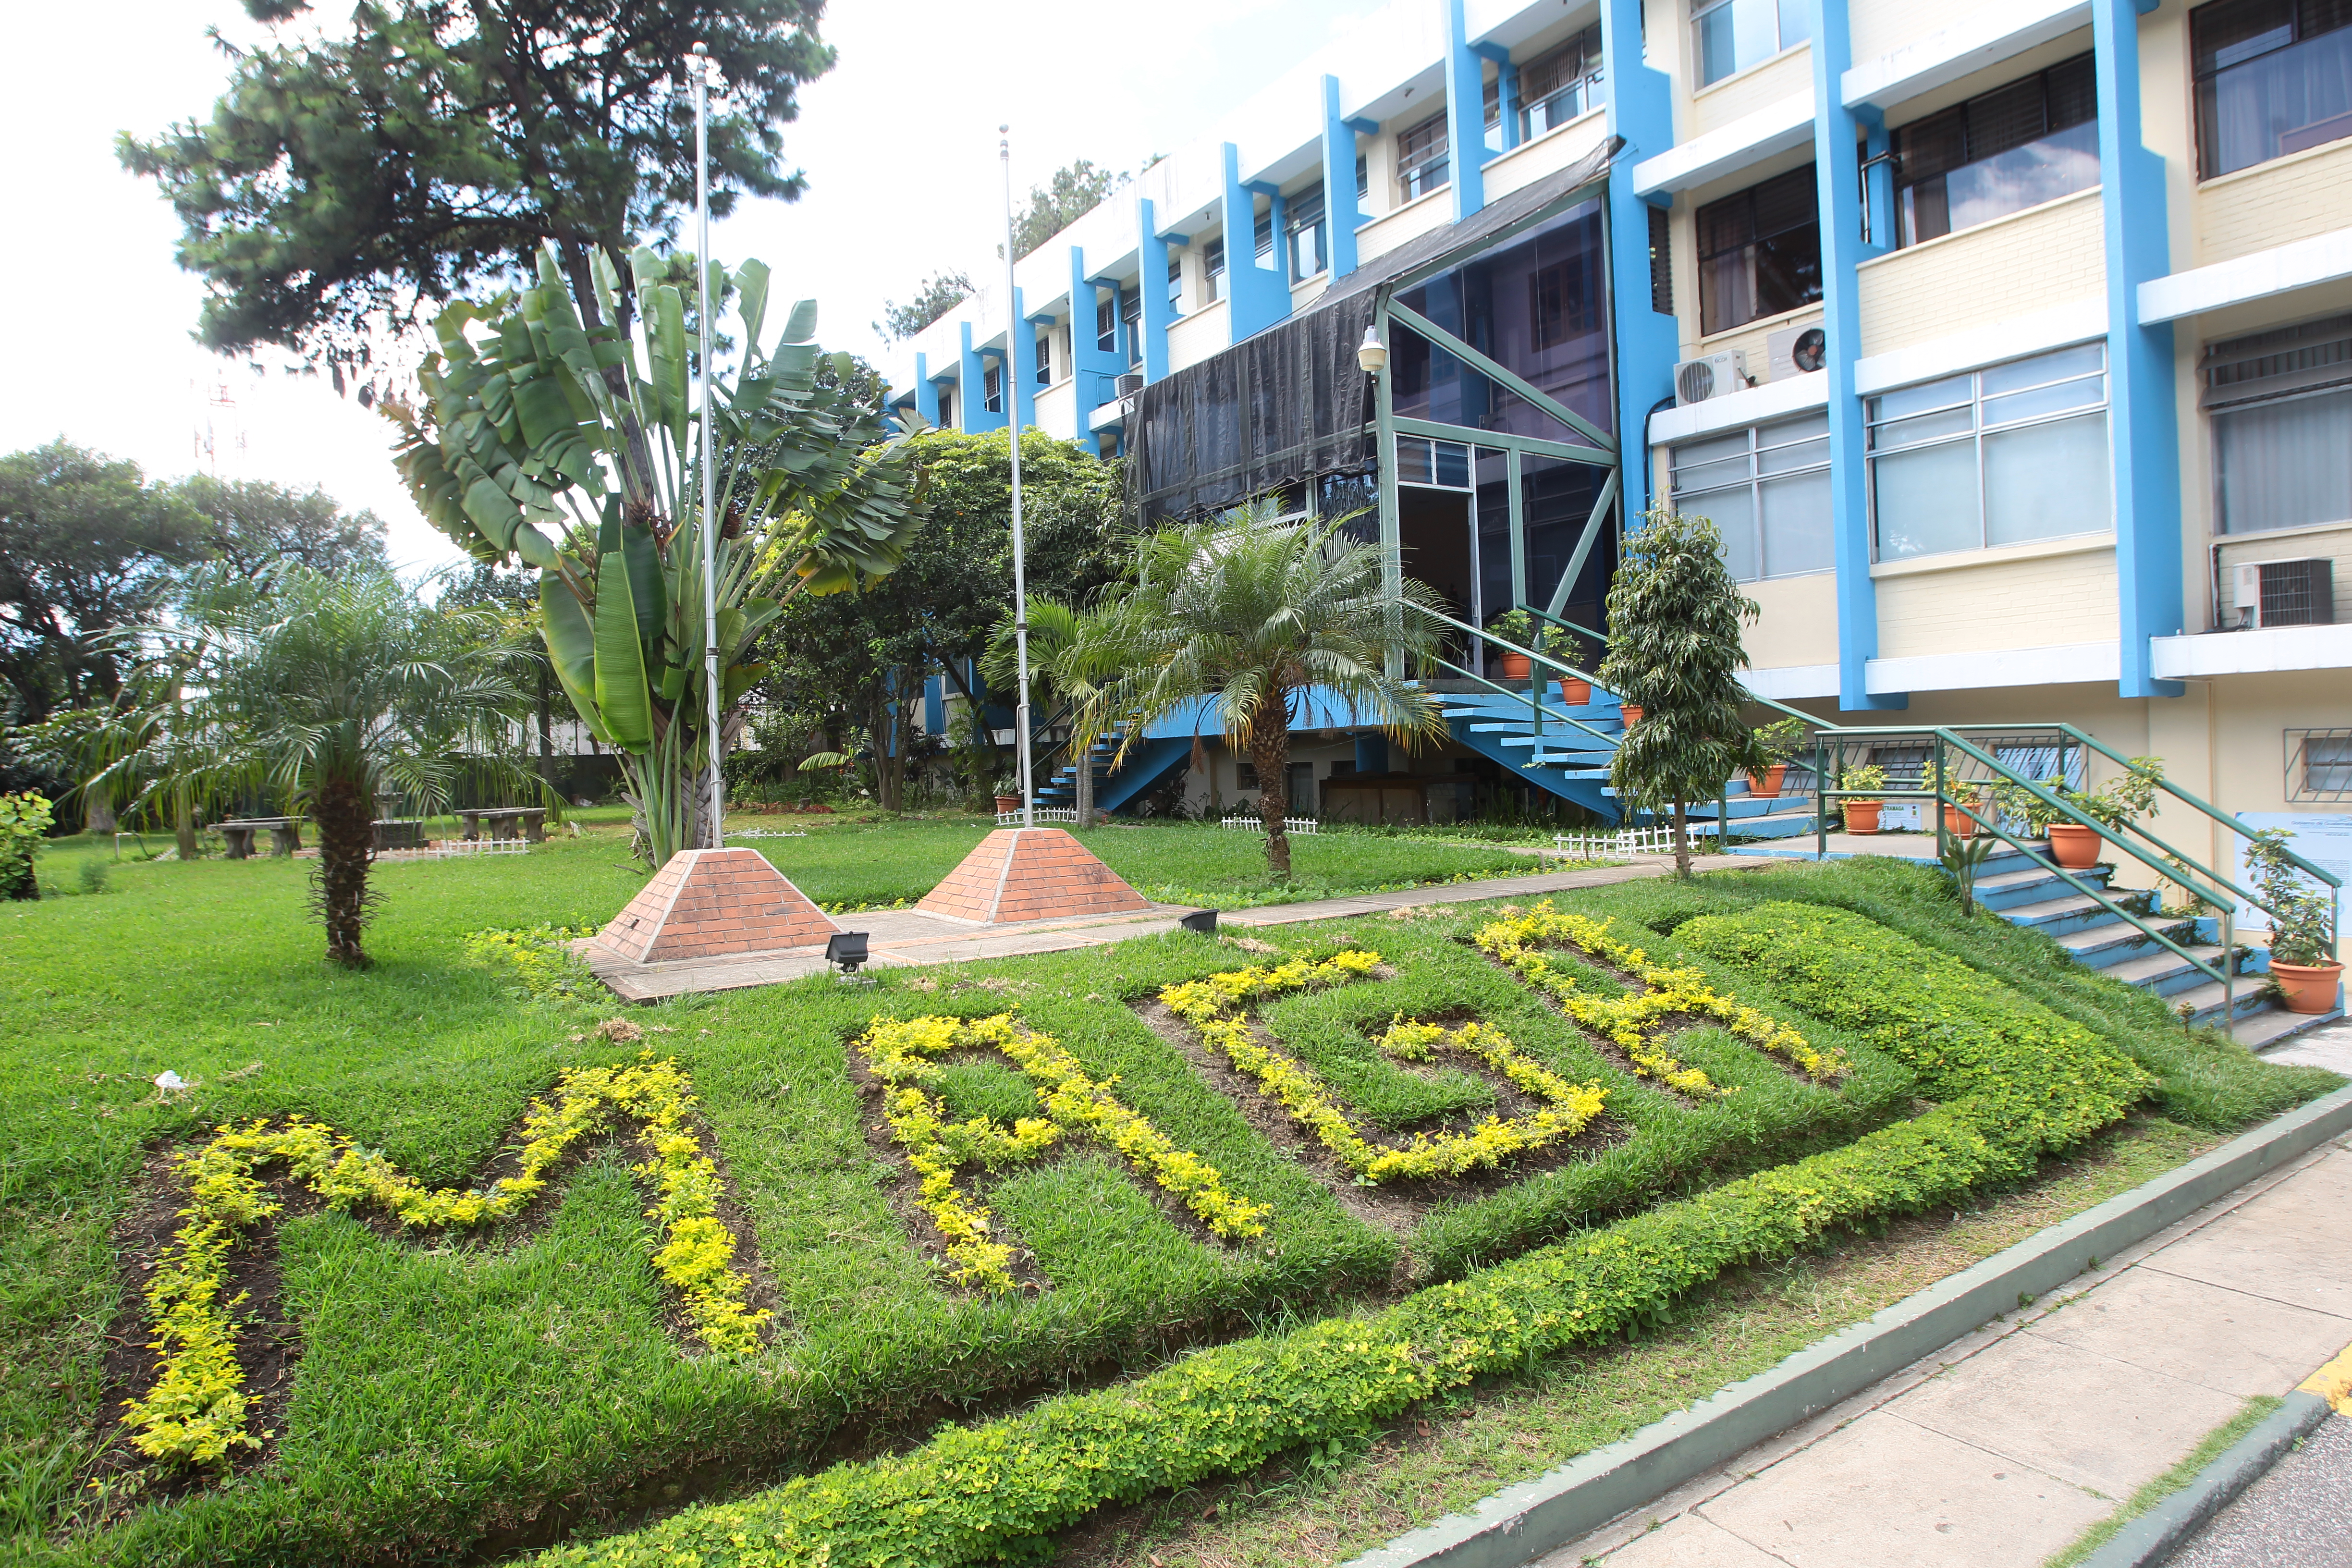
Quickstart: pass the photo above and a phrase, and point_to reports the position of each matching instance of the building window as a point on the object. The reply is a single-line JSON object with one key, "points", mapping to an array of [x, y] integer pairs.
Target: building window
{"points": [[1175, 285], [2280, 404], [1046, 359], [1261, 232], [947, 409], [1107, 322], [1363, 177], [1423, 166], [1130, 315], [1662, 263], [2272, 77], [992, 388], [2000, 455], [1310, 234], [1736, 34], [1557, 88], [1768, 489], [2319, 764], [2002, 152], [1759, 252], [1213, 260]]}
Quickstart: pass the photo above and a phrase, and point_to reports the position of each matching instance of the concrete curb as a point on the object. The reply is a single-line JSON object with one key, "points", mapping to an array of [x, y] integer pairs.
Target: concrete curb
{"points": [[1522, 1522], [2151, 1537]]}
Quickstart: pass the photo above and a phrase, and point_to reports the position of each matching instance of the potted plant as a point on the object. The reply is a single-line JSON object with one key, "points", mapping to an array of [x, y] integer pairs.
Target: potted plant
{"points": [[1575, 691], [1975, 799], [2114, 807], [1631, 712], [1008, 792], [1779, 741], [1515, 626], [2307, 973], [1862, 815]]}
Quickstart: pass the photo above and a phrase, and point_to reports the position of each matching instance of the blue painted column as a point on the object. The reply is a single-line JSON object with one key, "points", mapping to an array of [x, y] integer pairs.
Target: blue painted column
{"points": [[971, 388], [1507, 94], [1158, 315], [1343, 214], [1641, 110], [1465, 115], [1092, 366], [1255, 298], [935, 712], [927, 390], [2143, 430], [1020, 366], [1836, 133]]}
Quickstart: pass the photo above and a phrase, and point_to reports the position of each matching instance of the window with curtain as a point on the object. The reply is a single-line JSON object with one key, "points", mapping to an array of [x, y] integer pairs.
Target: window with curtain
{"points": [[2005, 455], [1423, 166], [1760, 251], [2272, 77], [2002, 152], [2280, 406], [1734, 34], [1767, 490], [1559, 86], [1307, 233]]}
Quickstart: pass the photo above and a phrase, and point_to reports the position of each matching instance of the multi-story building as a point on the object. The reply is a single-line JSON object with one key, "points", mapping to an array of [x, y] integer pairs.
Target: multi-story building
{"points": [[2009, 344]]}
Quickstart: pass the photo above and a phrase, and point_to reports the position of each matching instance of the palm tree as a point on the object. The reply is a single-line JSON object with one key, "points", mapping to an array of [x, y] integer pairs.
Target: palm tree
{"points": [[1253, 614], [330, 690], [1062, 644]]}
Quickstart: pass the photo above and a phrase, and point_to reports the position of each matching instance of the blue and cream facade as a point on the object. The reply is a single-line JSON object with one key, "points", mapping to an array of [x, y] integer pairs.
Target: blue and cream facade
{"points": [[2044, 313]]}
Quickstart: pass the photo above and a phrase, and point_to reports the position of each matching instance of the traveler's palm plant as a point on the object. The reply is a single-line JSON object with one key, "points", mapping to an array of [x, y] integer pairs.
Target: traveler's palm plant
{"points": [[576, 449], [1247, 617]]}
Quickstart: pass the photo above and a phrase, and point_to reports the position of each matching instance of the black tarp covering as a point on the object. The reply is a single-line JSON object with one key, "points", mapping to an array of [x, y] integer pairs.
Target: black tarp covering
{"points": [[1277, 409]]}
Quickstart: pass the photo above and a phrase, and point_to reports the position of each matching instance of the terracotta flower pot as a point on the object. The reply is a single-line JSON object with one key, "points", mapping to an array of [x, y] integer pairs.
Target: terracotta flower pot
{"points": [[1515, 666], [1766, 785], [1632, 714], [1005, 803], [1959, 823], [1862, 816], [1574, 693], [2073, 846], [2309, 987]]}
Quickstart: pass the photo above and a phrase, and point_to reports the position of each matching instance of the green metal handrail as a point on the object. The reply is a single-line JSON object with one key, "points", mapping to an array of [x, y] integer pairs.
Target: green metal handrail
{"points": [[1560, 714], [2232, 823]]}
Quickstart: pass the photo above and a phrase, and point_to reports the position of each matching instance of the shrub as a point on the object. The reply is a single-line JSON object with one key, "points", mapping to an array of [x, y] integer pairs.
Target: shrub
{"points": [[23, 820]]}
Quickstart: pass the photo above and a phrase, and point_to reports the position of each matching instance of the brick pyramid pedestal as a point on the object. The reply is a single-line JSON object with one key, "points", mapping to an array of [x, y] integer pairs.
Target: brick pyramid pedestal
{"points": [[714, 904], [1030, 874]]}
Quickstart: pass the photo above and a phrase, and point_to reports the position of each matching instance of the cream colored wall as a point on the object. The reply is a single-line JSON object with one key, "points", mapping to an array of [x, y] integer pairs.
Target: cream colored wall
{"points": [[1201, 334], [1878, 25], [1058, 408], [1798, 625], [2297, 545], [1754, 340], [2289, 198], [2043, 256], [1409, 222], [1966, 604], [1548, 154], [1790, 71]]}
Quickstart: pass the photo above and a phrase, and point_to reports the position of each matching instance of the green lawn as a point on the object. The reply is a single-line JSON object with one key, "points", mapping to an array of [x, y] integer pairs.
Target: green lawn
{"points": [[472, 1396]]}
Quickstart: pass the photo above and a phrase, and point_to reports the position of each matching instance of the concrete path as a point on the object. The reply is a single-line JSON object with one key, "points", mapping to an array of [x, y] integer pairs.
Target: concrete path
{"points": [[901, 937], [2005, 1446], [2299, 1516]]}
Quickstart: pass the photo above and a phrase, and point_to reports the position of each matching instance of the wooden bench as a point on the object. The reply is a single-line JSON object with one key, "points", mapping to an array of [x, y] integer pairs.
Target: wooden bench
{"points": [[285, 835]]}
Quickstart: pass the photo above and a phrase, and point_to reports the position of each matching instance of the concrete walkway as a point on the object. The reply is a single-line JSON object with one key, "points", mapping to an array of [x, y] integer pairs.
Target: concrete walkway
{"points": [[2005, 1446], [903, 937]]}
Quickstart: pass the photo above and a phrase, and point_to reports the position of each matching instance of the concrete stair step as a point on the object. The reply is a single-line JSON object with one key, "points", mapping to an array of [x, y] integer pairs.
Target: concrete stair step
{"points": [[2275, 1025], [2207, 999], [2104, 946], [2071, 912], [2165, 973]]}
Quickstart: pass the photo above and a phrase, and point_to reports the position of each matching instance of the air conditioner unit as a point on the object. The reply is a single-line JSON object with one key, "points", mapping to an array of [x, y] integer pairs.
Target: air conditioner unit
{"points": [[1796, 351], [1697, 380], [1128, 386], [2285, 592]]}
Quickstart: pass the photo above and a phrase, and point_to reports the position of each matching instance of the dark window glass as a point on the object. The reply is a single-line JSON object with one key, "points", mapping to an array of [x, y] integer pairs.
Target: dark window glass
{"points": [[992, 389], [947, 409], [1423, 166], [1261, 232], [1309, 237], [1212, 256], [2272, 77], [1106, 322], [1131, 308], [1662, 263], [1046, 359], [1760, 251], [1363, 177], [2017, 146], [1557, 87], [1176, 284]]}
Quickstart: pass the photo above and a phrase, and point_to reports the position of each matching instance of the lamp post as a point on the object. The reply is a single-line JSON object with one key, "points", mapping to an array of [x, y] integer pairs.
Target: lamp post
{"points": [[1013, 424], [699, 68]]}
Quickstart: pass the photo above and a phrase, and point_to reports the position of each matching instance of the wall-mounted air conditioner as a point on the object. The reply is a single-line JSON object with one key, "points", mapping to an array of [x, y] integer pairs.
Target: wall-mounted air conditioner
{"points": [[1128, 386], [1796, 351], [2285, 592], [1697, 380]]}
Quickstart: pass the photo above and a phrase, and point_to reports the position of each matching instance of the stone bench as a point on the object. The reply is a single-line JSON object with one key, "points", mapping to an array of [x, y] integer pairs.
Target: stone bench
{"points": [[503, 821], [399, 833], [285, 835]]}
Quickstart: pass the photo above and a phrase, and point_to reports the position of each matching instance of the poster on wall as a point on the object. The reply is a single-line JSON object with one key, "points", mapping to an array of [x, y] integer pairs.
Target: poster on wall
{"points": [[2322, 838]]}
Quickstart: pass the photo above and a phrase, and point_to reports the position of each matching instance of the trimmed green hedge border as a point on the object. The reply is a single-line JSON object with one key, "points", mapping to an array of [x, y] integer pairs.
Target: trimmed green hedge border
{"points": [[2017, 1081]]}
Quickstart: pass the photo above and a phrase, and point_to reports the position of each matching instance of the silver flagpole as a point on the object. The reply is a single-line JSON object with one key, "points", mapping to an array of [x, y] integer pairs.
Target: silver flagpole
{"points": [[708, 304], [1013, 421]]}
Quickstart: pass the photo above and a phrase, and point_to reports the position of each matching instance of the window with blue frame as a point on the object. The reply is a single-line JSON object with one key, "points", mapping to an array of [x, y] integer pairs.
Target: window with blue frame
{"points": [[1733, 35], [2002, 152], [2272, 77], [1422, 163], [2005, 455]]}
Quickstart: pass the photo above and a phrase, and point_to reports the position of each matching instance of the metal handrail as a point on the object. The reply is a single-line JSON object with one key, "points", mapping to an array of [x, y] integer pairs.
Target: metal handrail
{"points": [[1561, 714], [1510, 647], [2232, 823]]}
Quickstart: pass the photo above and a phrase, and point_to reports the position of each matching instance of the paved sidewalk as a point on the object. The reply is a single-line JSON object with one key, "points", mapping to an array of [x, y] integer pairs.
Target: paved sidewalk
{"points": [[902, 937], [2005, 1445]]}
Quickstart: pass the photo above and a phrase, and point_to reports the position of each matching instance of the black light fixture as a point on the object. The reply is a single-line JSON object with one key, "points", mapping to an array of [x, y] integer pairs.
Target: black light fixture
{"points": [[1204, 921], [847, 949]]}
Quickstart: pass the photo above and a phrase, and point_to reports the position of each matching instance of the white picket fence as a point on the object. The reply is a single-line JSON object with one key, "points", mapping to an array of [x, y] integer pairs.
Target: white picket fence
{"points": [[1068, 814], [1658, 840], [1305, 825]]}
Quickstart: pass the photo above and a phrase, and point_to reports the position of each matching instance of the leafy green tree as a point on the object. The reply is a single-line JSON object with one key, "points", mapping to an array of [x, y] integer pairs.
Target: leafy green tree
{"points": [[539, 421], [350, 179], [1674, 616], [251, 526], [1061, 671], [939, 294], [1251, 615], [512, 597], [88, 546], [1076, 190]]}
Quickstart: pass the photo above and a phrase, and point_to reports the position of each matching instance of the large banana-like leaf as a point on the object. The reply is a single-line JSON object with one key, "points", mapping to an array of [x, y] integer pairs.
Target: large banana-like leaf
{"points": [[646, 589], [572, 648], [622, 694]]}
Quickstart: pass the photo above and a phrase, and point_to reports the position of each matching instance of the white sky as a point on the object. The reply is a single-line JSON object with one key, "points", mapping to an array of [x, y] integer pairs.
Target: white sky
{"points": [[899, 141]]}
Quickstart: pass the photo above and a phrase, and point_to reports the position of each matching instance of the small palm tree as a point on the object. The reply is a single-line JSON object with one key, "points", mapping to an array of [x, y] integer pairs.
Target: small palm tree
{"points": [[1253, 615], [330, 690], [1063, 642]]}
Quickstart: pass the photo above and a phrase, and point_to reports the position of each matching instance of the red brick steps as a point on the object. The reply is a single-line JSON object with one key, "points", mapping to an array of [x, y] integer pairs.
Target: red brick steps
{"points": [[1030, 874], [714, 903]]}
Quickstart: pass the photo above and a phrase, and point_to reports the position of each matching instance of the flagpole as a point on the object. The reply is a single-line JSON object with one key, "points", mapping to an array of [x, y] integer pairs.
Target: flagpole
{"points": [[1013, 421], [705, 307]]}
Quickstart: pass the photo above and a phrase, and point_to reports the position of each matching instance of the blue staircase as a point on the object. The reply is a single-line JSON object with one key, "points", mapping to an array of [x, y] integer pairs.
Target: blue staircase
{"points": [[1146, 765]]}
